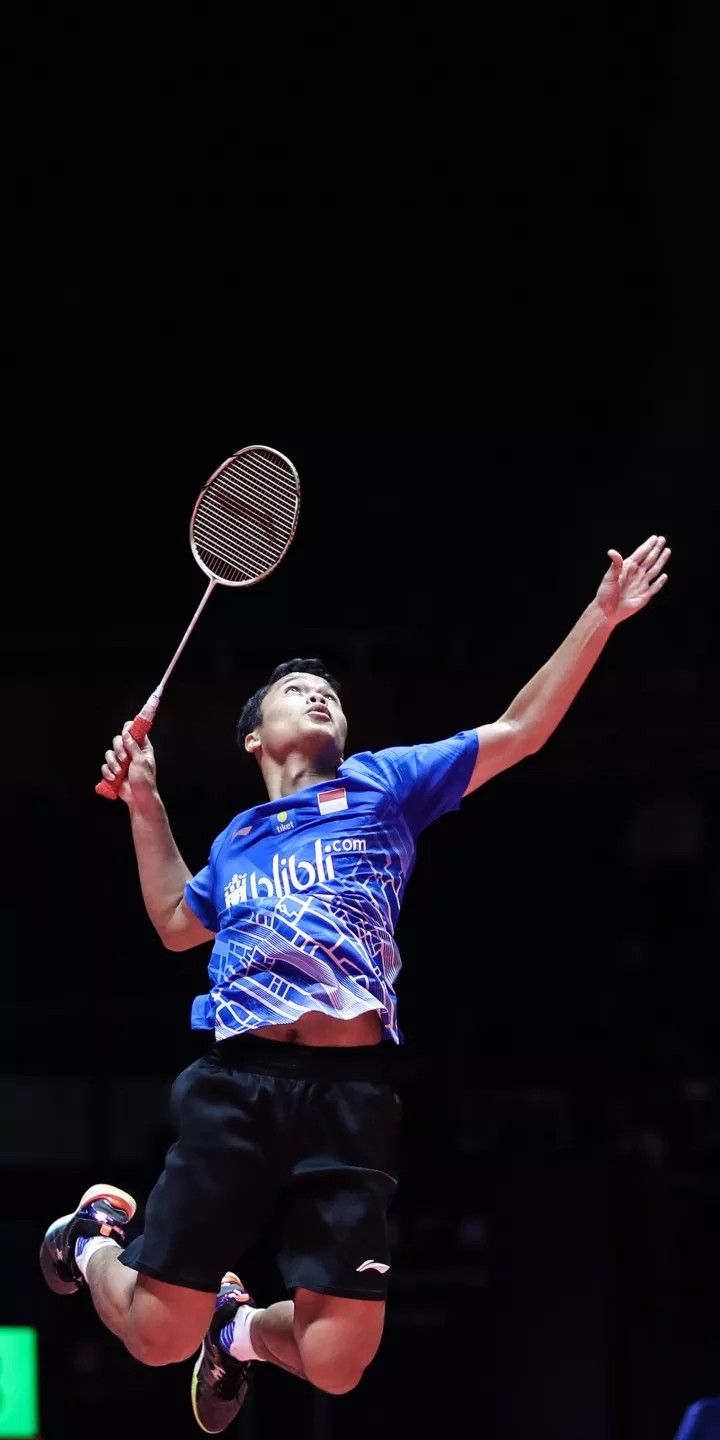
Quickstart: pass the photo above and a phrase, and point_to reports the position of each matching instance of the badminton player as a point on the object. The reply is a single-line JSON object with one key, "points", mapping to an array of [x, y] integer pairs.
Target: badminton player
{"points": [[292, 1114]]}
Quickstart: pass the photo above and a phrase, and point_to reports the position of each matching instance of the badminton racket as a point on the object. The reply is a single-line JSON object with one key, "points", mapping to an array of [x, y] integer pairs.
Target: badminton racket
{"points": [[242, 524]]}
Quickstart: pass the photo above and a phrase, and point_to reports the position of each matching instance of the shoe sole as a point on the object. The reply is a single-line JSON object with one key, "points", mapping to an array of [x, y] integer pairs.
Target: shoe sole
{"points": [[193, 1397], [48, 1263], [120, 1199], [231, 1281], [193, 1392]]}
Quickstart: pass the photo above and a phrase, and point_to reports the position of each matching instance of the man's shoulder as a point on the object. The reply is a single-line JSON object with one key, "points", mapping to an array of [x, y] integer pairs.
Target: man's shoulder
{"points": [[365, 764]]}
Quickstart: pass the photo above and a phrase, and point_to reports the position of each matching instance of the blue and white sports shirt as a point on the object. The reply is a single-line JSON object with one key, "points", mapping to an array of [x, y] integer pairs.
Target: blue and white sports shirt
{"points": [[304, 892]]}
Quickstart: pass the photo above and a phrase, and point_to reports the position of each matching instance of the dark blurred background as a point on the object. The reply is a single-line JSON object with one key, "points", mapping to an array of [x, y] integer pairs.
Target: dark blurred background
{"points": [[469, 288]]}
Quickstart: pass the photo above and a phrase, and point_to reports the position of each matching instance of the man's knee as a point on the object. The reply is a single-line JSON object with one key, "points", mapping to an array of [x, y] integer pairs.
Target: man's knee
{"points": [[166, 1323], [335, 1374], [159, 1346], [336, 1356], [337, 1338]]}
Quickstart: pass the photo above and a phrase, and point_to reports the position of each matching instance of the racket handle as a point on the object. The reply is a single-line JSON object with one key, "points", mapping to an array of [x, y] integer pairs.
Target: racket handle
{"points": [[139, 728]]}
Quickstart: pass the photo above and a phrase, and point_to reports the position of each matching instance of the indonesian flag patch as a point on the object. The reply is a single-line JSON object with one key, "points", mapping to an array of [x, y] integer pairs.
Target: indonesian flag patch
{"points": [[329, 801]]}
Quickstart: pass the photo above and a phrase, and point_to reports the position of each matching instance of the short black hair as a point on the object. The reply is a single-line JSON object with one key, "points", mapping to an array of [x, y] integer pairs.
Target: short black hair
{"points": [[251, 714]]}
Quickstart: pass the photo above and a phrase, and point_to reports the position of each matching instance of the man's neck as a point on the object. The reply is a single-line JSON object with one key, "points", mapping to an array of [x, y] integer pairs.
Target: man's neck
{"points": [[296, 773]]}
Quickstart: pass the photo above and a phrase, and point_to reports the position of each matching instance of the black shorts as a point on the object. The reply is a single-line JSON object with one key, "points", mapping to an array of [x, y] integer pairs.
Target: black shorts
{"points": [[302, 1137]]}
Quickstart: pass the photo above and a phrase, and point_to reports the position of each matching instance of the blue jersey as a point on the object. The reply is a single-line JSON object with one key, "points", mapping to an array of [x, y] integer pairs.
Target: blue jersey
{"points": [[304, 892]]}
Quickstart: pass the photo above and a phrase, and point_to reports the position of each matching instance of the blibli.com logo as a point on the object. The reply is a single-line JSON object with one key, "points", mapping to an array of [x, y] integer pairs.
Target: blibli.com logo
{"points": [[290, 875]]}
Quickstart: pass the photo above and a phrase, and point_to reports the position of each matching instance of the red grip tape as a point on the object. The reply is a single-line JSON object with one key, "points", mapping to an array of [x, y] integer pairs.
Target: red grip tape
{"points": [[138, 729]]}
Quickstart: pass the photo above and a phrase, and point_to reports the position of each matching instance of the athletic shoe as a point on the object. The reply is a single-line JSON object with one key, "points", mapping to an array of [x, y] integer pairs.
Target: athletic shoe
{"points": [[220, 1382], [103, 1210]]}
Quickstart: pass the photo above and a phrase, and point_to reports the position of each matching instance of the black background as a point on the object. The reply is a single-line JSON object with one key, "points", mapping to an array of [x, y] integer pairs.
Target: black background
{"points": [[462, 270]]}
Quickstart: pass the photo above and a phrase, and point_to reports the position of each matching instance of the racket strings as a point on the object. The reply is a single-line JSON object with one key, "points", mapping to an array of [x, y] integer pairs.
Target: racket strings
{"points": [[238, 546], [246, 517]]}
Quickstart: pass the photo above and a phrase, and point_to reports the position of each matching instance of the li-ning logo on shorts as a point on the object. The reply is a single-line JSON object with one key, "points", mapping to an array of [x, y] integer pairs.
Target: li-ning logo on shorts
{"points": [[373, 1265], [290, 874]]}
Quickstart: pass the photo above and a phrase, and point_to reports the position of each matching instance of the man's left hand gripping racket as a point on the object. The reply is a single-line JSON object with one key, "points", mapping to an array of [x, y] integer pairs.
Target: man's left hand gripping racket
{"points": [[241, 527]]}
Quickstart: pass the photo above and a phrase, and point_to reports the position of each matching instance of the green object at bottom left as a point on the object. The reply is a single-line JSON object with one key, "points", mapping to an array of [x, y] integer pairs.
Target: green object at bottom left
{"points": [[19, 1408]]}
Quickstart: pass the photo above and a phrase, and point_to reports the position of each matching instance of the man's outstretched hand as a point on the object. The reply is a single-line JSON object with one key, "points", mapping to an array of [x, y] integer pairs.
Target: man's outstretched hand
{"points": [[628, 585]]}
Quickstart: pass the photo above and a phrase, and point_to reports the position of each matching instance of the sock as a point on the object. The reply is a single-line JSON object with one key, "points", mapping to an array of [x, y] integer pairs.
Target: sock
{"points": [[234, 1338], [87, 1246]]}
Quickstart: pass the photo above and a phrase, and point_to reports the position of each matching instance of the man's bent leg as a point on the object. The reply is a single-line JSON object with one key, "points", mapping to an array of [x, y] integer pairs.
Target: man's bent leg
{"points": [[323, 1339], [159, 1324], [327, 1340], [166, 1323]]}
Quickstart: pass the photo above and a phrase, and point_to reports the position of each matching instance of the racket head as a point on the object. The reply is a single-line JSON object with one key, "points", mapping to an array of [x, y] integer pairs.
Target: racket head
{"points": [[245, 516]]}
